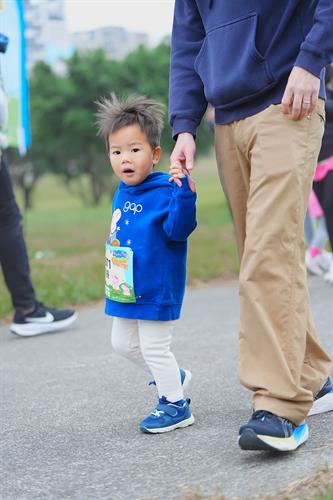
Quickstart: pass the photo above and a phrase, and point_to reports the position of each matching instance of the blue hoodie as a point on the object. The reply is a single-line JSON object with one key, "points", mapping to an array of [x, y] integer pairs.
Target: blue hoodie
{"points": [[154, 219], [238, 54]]}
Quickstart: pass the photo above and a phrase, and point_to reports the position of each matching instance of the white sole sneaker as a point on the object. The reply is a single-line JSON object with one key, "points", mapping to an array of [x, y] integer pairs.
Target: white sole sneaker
{"points": [[32, 329], [249, 440], [160, 430], [322, 405]]}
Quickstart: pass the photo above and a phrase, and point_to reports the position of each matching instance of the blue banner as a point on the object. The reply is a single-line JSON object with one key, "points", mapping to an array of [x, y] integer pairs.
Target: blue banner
{"points": [[14, 74]]}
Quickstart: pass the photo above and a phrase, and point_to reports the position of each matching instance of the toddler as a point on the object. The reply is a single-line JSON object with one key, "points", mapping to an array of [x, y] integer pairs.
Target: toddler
{"points": [[153, 215]]}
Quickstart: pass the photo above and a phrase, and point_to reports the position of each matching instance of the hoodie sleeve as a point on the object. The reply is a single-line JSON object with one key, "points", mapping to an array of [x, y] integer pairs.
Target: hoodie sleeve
{"points": [[181, 219], [317, 49], [187, 103]]}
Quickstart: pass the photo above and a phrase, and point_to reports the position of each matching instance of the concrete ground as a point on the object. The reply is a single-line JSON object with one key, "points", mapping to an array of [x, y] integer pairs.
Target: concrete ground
{"points": [[70, 411]]}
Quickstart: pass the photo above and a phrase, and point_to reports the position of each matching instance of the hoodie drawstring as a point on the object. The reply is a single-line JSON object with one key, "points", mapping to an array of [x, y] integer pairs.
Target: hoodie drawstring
{"points": [[211, 3]]}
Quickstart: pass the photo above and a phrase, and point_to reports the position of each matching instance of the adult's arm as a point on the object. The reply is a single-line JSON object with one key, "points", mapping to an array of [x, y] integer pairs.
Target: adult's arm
{"points": [[301, 93], [187, 103], [317, 49]]}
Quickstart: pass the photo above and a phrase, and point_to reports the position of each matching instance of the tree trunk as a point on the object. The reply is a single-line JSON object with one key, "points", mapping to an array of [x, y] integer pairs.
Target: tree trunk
{"points": [[96, 188], [27, 193]]}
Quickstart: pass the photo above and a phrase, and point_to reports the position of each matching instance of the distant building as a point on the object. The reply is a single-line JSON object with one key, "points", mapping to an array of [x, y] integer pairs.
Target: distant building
{"points": [[116, 41], [49, 40], [46, 34]]}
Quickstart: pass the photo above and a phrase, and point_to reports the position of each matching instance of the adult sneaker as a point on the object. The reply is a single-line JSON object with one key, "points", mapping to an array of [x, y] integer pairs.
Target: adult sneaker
{"points": [[323, 401], [42, 319], [168, 417], [266, 431], [185, 378]]}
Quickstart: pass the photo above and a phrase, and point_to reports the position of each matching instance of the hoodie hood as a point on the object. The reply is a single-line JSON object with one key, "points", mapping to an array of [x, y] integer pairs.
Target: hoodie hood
{"points": [[152, 181]]}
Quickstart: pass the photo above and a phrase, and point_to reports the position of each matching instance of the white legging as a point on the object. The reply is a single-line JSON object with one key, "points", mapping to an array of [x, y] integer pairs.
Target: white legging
{"points": [[147, 344]]}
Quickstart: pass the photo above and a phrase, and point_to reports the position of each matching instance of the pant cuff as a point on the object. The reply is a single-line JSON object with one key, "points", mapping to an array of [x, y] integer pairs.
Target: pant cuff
{"points": [[295, 411]]}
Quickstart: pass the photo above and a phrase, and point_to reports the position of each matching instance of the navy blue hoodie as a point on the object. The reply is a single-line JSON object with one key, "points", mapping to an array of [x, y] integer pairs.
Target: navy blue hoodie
{"points": [[238, 54], [155, 221]]}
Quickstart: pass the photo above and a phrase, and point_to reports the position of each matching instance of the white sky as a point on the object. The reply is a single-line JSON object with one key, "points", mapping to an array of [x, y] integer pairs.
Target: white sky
{"points": [[149, 16]]}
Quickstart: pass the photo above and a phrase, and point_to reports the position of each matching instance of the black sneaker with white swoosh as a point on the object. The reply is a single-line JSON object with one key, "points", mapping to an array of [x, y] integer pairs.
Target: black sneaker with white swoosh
{"points": [[41, 320]]}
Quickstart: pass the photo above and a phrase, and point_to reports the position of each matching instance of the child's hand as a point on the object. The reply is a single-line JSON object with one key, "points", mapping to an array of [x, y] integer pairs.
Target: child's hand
{"points": [[177, 172]]}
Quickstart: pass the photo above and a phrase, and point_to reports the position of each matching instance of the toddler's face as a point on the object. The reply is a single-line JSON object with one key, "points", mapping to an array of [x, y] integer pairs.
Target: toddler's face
{"points": [[131, 155]]}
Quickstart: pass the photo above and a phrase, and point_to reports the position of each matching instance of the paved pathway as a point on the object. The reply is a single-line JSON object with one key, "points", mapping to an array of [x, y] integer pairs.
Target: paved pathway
{"points": [[70, 411]]}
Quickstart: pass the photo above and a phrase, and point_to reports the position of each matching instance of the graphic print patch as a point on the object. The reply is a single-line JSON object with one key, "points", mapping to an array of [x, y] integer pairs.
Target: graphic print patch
{"points": [[119, 284]]}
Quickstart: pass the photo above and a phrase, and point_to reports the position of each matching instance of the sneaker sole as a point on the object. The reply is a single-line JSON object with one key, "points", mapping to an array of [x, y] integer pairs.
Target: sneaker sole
{"points": [[249, 440], [33, 329], [160, 430], [322, 405]]}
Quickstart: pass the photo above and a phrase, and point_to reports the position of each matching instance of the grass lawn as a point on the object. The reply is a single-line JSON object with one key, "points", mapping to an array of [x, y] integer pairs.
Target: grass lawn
{"points": [[66, 241]]}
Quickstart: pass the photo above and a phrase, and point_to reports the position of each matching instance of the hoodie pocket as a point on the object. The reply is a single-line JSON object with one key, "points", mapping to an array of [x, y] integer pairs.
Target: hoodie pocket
{"points": [[229, 64]]}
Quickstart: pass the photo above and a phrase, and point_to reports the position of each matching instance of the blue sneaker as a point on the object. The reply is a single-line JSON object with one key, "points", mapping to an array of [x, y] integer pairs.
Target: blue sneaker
{"points": [[168, 416], [266, 431], [323, 401], [185, 378]]}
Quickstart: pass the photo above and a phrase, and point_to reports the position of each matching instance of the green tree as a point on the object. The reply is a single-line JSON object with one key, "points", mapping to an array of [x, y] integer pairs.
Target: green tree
{"points": [[63, 133], [63, 112]]}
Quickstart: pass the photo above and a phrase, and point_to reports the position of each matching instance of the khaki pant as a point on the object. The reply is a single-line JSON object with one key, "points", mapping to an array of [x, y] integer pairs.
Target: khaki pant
{"points": [[266, 164]]}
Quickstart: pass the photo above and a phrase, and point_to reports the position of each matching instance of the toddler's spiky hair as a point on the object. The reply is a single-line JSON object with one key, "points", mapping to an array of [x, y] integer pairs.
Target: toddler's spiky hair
{"points": [[114, 114]]}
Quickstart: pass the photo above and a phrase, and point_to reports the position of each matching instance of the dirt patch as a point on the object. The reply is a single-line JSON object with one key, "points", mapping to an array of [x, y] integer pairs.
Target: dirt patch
{"points": [[315, 487]]}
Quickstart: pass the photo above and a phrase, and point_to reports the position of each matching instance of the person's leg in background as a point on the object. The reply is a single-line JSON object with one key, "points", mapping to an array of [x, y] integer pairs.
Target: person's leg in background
{"points": [[309, 229], [324, 192], [320, 237], [317, 260], [13, 252], [31, 317]]}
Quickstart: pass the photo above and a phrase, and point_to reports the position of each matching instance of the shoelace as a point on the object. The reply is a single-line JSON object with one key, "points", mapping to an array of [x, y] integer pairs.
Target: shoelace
{"points": [[264, 414], [259, 414]]}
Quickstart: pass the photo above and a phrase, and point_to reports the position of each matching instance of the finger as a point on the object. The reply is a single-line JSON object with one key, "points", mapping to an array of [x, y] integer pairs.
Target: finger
{"points": [[306, 106], [179, 175], [314, 101], [177, 159], [297, 106], [177, 181], [191, 184], [189, 163], [175, 164], [287, 100]]}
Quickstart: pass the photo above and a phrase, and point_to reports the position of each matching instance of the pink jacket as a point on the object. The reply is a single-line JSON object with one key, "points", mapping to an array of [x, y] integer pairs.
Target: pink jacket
{"points": [[323, 168], [314, 206]]}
